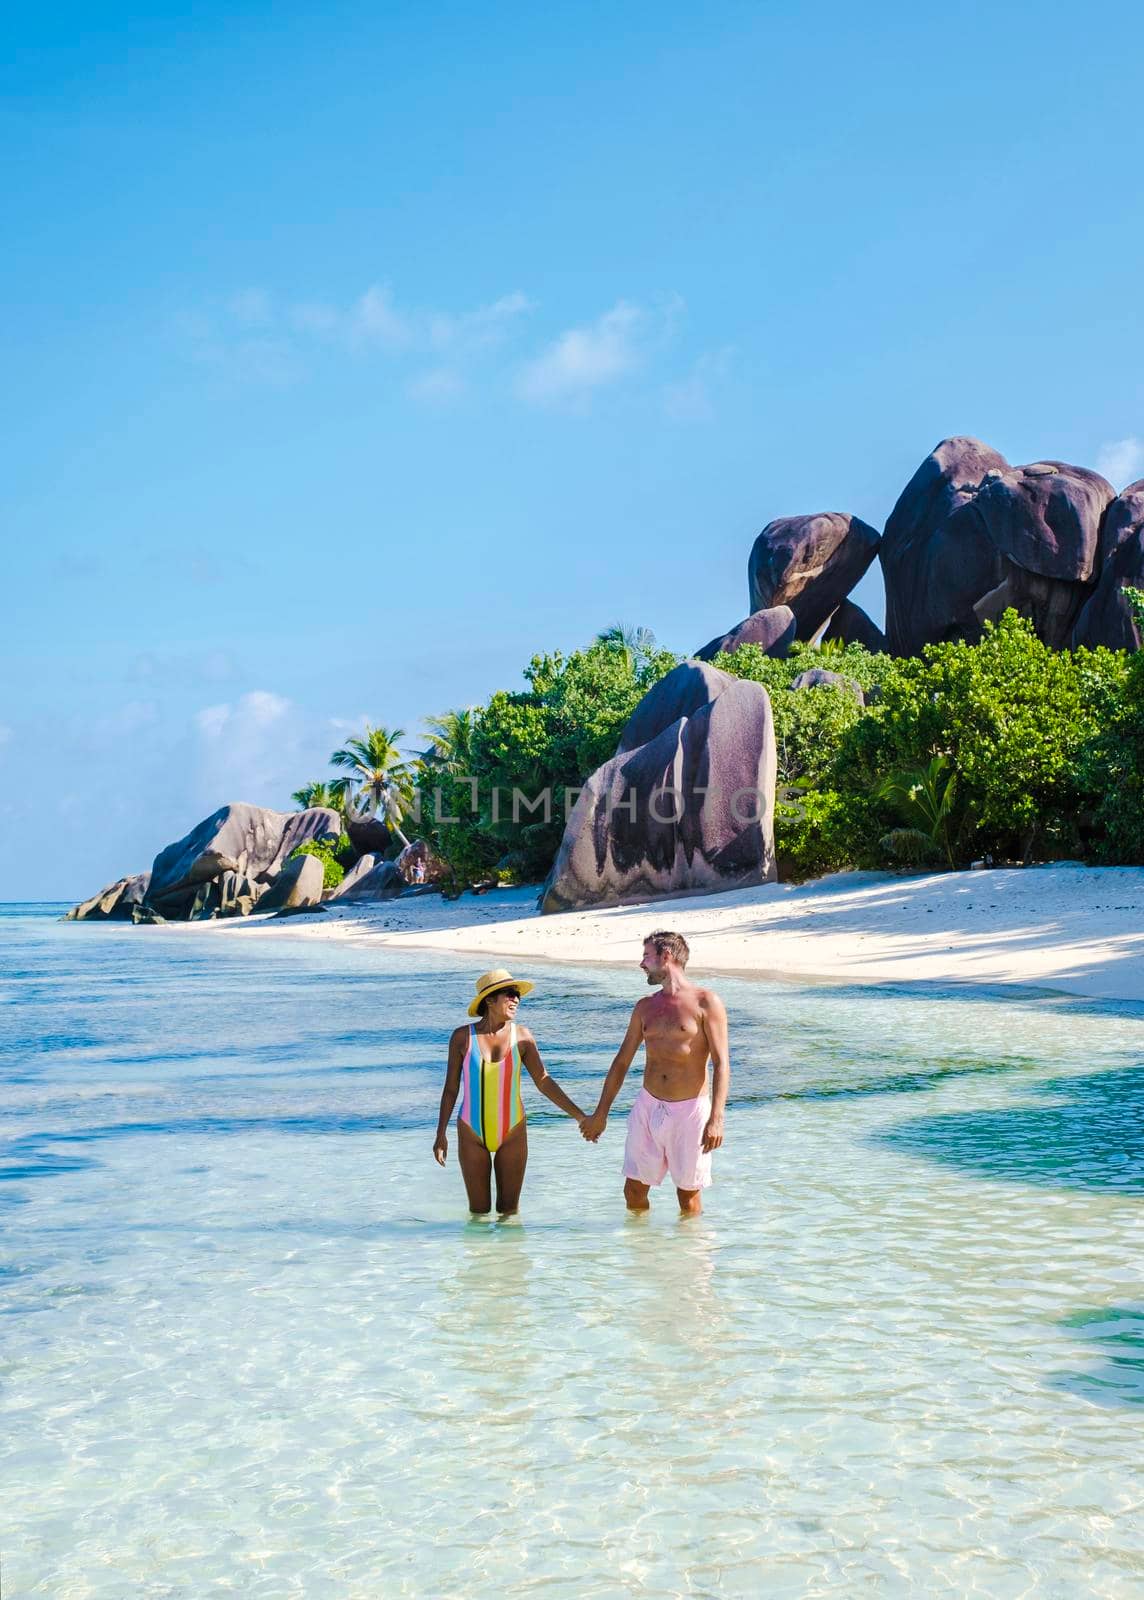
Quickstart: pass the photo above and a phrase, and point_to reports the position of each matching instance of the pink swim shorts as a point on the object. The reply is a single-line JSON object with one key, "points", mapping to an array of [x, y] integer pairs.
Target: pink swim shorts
{"points": [[667, 1136]]}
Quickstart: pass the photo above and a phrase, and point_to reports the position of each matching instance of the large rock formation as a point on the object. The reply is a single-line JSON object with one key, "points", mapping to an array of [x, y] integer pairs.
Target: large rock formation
{"points": [[809, 564], [1045, 523], [680, 693], [296, 887], [851, 625], [222, 868], [1106, 617], [823, 678], [368, 835], [772, 630], [117, 902], [686, 806], [420, 863], [937, 557], [360, 868], [247, 840], [383, 881]]}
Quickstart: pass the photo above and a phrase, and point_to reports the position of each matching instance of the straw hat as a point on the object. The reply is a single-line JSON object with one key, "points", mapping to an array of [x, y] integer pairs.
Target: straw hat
{"points": [[499, 978]]}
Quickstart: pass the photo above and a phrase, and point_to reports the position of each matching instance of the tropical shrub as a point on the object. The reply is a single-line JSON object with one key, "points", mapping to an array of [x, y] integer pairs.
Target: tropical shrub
{"points": [[1115, 767], [809, 723], [1015, 721], [525, 745], [334, 854], [814, 832], [929, 820]]}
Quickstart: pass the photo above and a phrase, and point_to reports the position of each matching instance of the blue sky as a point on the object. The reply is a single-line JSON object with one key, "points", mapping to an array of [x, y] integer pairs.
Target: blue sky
{"points": [[354, 355]]}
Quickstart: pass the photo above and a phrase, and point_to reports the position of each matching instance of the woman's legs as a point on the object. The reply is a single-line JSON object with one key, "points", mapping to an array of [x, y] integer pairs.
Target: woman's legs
{"points": [[509, 1164], [477, 1170]]}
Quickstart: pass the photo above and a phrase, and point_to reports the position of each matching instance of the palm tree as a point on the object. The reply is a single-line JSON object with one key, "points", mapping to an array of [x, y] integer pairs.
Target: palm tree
{"points": [[924, 800], [638, 644], [317, 794], [451, 739], [377, 781]]}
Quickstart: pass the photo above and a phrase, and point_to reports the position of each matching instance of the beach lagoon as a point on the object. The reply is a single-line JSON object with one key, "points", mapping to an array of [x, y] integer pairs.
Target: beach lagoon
{"points": [[253, 1344]]}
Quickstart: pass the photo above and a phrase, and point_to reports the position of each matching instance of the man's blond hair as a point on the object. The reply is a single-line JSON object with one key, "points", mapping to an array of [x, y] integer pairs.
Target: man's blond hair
{"points": [[673, 946]]}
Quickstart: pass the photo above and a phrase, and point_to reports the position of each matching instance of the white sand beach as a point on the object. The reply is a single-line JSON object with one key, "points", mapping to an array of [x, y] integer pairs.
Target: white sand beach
{"points": [[1078, 930]]}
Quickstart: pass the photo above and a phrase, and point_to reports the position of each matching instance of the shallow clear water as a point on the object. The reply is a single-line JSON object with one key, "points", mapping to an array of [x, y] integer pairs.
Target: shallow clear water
{"points": [[251, 1344]]}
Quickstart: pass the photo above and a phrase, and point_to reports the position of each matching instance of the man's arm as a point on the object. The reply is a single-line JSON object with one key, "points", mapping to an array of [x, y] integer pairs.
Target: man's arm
{"points": [[538, 1072], [449, 1093], [715, 1027], [592, 1127]]}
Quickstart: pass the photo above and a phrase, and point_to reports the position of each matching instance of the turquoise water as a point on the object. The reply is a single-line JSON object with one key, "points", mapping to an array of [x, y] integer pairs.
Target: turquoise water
{"points": [[250, 1343]]}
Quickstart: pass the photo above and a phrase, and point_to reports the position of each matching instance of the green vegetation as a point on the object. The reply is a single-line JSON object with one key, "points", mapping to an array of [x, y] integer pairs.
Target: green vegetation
{"points": [[997, 749], [1004, 749], [1115, 766], [543, 740], [317, 794], [377, 780], [809, 723], [334, 854]]}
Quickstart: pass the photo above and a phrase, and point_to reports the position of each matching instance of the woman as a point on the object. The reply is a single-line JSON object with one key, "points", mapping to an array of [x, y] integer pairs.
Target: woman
{"points": [[484, 1069]]}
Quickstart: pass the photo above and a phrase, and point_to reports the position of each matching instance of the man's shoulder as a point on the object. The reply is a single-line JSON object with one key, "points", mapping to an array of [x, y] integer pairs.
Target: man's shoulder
{"points": [[708, 999]]}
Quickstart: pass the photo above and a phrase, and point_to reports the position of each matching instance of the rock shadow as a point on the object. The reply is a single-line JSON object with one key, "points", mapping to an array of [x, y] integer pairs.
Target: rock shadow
{"points": [[1090, 1138], [1117, 1334]]}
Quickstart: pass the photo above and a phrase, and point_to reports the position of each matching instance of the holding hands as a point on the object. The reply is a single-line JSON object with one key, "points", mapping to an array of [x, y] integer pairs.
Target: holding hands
{"points": [[592, 1127]]}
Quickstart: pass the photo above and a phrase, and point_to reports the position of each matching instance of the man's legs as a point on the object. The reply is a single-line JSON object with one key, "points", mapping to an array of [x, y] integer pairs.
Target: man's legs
{"points": [[689, 1163], [690, 1202], [636, 1194]]}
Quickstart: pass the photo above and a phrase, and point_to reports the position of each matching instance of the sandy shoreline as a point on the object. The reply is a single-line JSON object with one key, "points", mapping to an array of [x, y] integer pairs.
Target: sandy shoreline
{"points": [[1077, 930]]}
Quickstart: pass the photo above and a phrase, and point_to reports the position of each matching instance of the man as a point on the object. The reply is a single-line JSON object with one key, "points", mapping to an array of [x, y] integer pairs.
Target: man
{"points": [[674, 1124]]}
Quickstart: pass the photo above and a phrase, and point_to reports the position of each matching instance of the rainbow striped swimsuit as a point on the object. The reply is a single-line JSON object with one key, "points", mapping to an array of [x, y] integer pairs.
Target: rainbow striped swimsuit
{"points": [[490, 1092]]}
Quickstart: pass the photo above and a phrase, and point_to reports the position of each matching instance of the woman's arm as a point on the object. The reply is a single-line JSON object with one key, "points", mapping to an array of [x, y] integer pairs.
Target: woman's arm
{"points": [[449, 1093], [540, 1076]]}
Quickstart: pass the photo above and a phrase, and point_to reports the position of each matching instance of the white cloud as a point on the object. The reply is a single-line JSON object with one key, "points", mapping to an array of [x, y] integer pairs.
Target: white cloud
{"points": [[438, 386], [256, 336], [691, 399], [1121, 461], [376, 317], [262, 707], [256, 710], [211, 720], [252, 748], [252, 337], [480, 329], [583, 359]]}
